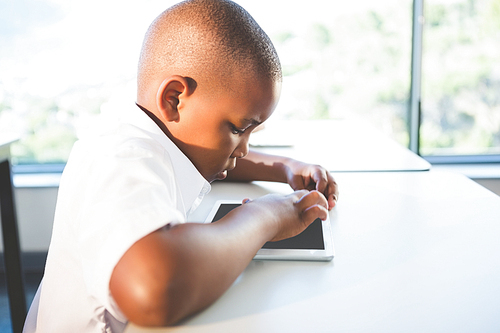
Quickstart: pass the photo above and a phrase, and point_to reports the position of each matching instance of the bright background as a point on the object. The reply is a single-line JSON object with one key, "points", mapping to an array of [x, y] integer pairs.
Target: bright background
{"points": [[63, 62]]}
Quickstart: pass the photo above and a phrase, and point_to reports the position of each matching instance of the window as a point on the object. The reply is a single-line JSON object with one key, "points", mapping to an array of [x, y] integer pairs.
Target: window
{"points": [[342, 59], [461, 78], [64, 62]]}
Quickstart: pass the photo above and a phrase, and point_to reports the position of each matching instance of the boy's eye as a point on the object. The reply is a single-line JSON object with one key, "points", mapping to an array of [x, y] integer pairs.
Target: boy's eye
{"points": [[236, 130]]}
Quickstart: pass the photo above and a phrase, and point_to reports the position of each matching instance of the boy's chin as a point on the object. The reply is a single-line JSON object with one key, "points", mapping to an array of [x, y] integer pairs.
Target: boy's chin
{"points": [[221, 175]]}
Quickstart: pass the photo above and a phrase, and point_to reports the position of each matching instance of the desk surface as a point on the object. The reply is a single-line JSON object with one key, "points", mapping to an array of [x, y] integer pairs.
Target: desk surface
{"points": [[351, 146], [415, 252]]}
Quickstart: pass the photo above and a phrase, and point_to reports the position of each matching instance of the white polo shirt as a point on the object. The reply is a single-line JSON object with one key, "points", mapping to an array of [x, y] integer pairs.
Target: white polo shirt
{"points": [[118, 186]]}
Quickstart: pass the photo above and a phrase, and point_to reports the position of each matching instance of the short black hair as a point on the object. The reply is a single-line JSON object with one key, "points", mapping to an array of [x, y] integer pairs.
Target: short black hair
{"points": [[207, 38]]}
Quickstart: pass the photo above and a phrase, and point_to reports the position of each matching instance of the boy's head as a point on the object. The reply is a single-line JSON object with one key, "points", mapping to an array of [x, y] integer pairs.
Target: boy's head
{"points": [[210, 74]]}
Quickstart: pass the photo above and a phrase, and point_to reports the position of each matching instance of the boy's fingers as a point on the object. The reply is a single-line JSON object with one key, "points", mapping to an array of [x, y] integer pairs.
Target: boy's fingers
{"points": [[333, 192], [320, 177], [313, 198], [332, 201], [300, 194], [314, 212], [325, 183]]}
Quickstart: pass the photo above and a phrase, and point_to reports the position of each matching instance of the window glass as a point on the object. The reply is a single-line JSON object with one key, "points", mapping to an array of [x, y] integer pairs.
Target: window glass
{"points": [[342, 59], [461, 77], [67, 61], [61, 62]]}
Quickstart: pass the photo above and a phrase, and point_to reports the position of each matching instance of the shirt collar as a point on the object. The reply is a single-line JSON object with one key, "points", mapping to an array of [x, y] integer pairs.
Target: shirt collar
{"points": [[193, 186]]}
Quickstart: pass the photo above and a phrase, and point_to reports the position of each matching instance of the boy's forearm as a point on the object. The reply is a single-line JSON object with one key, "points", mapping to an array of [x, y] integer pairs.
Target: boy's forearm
{"points": [[259, 166], [171, 274]]}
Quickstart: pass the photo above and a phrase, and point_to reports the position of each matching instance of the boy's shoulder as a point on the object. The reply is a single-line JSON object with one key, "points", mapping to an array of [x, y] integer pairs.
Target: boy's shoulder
{"points": [[119, 147], [122, 141]]}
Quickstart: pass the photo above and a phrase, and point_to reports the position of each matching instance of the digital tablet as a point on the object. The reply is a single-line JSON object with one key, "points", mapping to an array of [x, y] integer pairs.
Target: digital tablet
{"points": [[314, 243]]}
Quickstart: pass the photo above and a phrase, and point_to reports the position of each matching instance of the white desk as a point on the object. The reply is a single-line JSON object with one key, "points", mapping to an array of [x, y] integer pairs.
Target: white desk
{"points": [[338, 145], [415, 252]]}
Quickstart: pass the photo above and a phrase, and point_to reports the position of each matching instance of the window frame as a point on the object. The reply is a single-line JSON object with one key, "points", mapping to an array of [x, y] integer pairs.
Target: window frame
{"points": [[415, 111]]}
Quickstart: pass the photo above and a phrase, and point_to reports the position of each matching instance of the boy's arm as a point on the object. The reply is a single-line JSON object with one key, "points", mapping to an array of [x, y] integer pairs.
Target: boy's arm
{"points": [[173, 273], [260, 166]]}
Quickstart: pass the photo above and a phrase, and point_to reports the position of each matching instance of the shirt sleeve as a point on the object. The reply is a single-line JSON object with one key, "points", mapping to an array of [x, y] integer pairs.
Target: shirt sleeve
{"points": [[130, 192]]}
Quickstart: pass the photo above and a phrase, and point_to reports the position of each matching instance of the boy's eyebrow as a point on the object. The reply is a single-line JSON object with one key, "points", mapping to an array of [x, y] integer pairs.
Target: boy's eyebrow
{"points": [[252, 121]]}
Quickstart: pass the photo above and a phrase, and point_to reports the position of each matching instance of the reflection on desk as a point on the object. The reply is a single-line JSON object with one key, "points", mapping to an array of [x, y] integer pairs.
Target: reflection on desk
{"points": [[338, 145], [415, 252]]}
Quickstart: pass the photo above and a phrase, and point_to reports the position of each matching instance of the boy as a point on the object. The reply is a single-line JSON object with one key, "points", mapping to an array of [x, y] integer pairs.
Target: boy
{"points": [[120, 250]]}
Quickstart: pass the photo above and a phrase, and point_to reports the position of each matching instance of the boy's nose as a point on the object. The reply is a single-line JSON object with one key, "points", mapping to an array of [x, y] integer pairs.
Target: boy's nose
{"points": [[242, 149]]}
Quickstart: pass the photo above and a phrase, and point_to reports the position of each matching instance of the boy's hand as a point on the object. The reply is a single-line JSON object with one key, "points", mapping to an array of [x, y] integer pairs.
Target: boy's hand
{"points": [[290, 214], [312, 177], [300, 176]]}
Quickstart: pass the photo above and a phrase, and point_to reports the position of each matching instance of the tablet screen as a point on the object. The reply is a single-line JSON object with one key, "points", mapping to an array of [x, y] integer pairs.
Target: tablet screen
{"points": [[310, 239]]}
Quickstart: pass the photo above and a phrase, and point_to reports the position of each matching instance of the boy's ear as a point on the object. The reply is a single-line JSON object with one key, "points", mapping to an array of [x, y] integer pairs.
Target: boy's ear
{"points": [[169, 96]]}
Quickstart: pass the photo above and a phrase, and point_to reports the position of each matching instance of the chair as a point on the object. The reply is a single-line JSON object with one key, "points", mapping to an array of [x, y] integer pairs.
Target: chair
{"points": [[12, 252]]}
